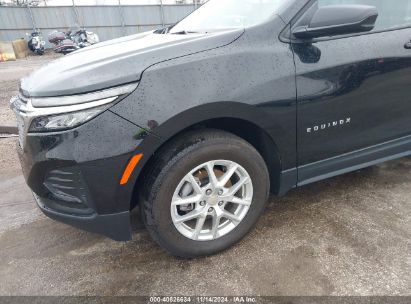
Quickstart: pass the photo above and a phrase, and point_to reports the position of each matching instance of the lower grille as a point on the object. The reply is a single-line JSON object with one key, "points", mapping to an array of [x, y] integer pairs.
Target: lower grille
{"points": [[67, 190]]}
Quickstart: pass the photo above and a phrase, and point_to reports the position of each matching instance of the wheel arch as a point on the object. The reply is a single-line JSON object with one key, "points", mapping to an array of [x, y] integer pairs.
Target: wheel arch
{"points": [[245, 121]]}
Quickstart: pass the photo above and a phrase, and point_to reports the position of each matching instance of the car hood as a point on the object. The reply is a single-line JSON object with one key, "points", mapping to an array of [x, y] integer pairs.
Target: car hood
{"points": [[116, 62]]}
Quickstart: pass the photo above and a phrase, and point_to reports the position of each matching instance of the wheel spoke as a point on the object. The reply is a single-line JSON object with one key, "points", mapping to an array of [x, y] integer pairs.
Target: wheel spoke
{"points": [[211, 174], [190, 178], [189, 216], [240, 201], [231, 217], [186, 200], [226, 177], [214, 227], [234, 189], [199, 226]]}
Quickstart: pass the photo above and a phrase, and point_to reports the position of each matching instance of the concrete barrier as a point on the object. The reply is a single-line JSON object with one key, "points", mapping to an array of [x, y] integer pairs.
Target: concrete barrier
{"points": [[21, 49], [7, 51]]}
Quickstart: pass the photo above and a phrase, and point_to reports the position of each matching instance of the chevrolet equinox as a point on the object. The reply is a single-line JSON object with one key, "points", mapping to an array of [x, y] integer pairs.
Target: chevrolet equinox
{"points": [[196, 123]]}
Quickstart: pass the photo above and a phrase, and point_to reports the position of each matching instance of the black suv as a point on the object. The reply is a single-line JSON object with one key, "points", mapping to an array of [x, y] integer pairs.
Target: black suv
{"points": [[197, 123]]}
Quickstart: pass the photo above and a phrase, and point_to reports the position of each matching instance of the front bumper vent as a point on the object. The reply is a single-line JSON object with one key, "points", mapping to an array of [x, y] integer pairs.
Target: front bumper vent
{"points": [[67, 189]]}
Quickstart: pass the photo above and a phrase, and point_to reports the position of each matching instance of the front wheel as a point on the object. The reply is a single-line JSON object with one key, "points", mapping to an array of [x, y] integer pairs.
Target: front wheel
{"points": [[204, 193]]}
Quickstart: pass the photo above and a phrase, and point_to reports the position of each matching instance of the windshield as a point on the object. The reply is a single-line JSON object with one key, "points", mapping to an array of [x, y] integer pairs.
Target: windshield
{"points": [[218, 15]]}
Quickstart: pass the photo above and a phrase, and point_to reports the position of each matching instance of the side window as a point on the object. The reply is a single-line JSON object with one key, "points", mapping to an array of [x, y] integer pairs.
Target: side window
{"points": [[391, 14]]}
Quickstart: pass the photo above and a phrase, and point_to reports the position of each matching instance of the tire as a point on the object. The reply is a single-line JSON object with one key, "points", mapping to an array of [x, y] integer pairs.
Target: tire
{"points": [[172, 165]]}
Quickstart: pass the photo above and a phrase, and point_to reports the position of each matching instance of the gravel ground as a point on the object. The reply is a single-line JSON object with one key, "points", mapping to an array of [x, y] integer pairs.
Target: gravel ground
{"points": [[349, 235]]}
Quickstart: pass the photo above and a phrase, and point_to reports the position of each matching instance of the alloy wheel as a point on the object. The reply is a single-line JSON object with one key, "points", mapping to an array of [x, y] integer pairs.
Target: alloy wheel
{"points": [[211, 200]]}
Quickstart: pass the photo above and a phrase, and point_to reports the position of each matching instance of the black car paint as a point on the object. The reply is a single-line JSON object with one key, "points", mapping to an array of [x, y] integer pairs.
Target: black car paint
{"points": [[367, 84], [88, 170], [211, 85], [107, 64], [260, 77]]}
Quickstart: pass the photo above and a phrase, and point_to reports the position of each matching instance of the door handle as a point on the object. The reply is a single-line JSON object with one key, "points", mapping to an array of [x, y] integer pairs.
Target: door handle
{"points": [[408, 45]]}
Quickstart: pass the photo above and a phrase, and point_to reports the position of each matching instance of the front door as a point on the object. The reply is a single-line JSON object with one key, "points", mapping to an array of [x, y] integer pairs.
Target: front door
{"points": [[354, 91]]}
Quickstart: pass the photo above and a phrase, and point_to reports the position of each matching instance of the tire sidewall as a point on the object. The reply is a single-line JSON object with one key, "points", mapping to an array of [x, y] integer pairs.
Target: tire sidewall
{"points": [[217, 149]]}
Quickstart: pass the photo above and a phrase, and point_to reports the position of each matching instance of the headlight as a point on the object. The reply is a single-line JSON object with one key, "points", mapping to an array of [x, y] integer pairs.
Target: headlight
{"points": [[47, 114], [64, 121]]}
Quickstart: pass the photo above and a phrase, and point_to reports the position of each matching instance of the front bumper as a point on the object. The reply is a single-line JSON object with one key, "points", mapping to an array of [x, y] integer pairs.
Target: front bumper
{"points": [[74, 174], [115, 226]]}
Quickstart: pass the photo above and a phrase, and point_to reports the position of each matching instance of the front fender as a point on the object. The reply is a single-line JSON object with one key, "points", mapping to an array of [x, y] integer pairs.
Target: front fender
{"points": [[211, 111], [160, 134], [251, 79]]}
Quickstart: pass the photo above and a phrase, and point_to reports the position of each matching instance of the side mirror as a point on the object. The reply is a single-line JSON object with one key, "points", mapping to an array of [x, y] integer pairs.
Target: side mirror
{"points": [[338, 20]]}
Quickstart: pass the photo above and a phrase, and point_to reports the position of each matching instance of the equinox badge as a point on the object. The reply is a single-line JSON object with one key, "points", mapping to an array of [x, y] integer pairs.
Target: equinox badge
{"points": [[328, 125]]}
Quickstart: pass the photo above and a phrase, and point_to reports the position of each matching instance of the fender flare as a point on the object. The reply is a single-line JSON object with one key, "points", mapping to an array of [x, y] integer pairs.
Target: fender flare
{"points": [[215, 110], [162, 133]]}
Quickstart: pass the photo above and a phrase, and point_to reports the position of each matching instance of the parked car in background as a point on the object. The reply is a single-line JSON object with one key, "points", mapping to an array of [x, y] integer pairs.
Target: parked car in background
{"points": [[197, 124]]}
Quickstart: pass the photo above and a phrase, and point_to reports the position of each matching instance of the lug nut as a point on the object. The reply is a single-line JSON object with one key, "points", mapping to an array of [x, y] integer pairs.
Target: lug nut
{"points": [[210, 209], [208, 192], [202, 203], [220, 192], [221, 203]]}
